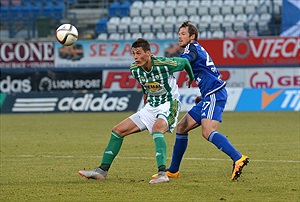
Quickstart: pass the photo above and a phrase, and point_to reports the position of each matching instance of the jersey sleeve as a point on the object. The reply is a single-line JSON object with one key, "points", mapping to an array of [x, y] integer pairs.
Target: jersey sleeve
{"points": [[183, 63], [190, 53]]}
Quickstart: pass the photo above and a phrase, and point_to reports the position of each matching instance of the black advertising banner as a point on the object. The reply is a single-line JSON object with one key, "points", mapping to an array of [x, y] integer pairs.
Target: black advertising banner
{"points": [[117, 101], [48, 80]]}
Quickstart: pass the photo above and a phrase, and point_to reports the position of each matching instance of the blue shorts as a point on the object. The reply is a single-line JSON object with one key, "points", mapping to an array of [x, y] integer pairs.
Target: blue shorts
{"points": [[210, 107]]}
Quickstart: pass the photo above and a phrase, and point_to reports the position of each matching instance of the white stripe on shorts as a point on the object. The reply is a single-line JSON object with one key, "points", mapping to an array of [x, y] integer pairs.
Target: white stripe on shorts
{"points": [[211, 106]]}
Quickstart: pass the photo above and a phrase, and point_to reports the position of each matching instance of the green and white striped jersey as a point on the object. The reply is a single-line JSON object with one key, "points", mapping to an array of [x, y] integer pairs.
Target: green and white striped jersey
{"points": [[159, 84]]}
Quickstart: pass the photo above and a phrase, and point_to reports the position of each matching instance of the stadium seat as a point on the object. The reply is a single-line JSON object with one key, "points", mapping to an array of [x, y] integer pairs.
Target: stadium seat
{"points": [[146, 26], [16, 12], [264, 21], [241, 2], [136, 35], [264, 8], [36, 10], [240, 21], [253, 2], [206, 18], [250, 9], [48, 10], [161, 35], [228, 22], [277, 7], [253, 33], [125, 9], [181, 7], [206, 34], [265, 17], [171, 35], [159, 21], [193, 8], [59, 10], [158, 8], [254, 18], [135, 8], [26, 12], [215, 7], [149, 36], [170, 23], [112, 24], [195, 19], [203, 10], [135, 24], [204, 23], [217, 34], [170, 7], [147, 8], [229, 3], [229, 34], [102, 37], [205, 3], [241, 33], [217, 21], [4, 12], [238, 9], [114, 37], [218, 3], [114, 9], [101, 25], [214, 10], [181, 19], [124, 24], [226, 9], [127, 36]]}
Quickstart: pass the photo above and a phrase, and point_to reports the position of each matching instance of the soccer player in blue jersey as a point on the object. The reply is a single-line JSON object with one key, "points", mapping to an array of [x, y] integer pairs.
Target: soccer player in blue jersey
{"points": [[208, 112]]}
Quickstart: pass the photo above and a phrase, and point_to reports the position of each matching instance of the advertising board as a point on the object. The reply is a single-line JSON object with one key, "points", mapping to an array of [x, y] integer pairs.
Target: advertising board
{"points": [[53, 79], [237, 52], [263, 52], [70, 102], [102, 54], [122, 79], [26, 54]]}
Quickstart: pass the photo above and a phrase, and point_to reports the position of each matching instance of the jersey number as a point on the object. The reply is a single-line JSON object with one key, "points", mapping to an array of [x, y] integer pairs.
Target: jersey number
{"points": [[205, 105], [209, 62]]}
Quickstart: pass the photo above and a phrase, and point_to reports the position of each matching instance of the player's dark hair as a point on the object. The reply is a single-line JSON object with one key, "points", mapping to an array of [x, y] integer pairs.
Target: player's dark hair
{"points": [[191, 28], [140, 42]]}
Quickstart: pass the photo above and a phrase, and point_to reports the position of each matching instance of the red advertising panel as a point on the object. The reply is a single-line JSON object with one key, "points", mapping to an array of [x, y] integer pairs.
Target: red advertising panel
{"points": [[26, 54], [275, 51]]}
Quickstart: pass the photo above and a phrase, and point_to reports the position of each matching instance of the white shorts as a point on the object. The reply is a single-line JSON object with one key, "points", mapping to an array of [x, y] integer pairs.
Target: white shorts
{"points": [[147, 116]]}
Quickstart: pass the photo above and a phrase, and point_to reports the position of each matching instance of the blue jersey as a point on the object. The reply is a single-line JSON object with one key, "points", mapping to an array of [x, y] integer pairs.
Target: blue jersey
{"points": [[206, 75]]}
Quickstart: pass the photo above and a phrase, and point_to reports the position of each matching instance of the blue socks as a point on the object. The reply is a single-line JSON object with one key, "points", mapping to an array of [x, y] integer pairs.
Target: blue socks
{"points": [[179, 148], [219, 140], [222, 143]]}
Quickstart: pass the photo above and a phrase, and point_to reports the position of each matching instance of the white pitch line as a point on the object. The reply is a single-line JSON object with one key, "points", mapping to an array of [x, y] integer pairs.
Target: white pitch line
{"points": [[148, 158]]}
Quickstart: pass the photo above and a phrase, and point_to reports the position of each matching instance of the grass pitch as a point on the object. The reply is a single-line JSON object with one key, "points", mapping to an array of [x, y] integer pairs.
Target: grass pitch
{"points": [[42, 153]]}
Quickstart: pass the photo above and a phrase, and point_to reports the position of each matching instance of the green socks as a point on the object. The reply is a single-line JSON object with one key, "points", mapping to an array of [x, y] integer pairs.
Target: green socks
{"points": [[115, 143], [161, 150], [111, 151]]}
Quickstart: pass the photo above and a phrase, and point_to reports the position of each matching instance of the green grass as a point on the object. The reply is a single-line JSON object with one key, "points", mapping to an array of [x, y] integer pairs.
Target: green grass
{"points": [[42, 153]]}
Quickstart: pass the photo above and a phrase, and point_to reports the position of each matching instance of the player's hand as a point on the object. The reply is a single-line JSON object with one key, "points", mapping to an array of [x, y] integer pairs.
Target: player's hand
{"points": [[198, 99], [189, 83]]}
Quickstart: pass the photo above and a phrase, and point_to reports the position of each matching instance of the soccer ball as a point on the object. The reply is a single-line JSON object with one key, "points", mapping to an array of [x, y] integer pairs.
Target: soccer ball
{"points": [[67, 34]]}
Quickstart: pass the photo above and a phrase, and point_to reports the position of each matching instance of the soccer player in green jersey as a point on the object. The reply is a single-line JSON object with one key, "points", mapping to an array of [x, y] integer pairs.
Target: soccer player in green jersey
{"points": [[159, 114]]}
